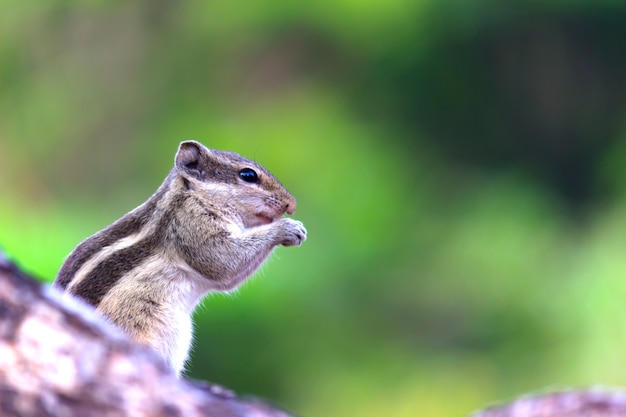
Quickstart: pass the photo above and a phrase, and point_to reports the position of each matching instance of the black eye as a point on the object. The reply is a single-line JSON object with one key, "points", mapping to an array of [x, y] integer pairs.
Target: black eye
{"points": [[249, 175]]}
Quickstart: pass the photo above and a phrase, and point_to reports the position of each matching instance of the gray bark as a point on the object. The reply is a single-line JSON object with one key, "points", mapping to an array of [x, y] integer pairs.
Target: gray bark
{"points": [[598, 402]]}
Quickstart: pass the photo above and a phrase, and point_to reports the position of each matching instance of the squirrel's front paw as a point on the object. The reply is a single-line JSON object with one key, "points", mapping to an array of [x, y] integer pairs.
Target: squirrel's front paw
{"points": [[293, 232]]}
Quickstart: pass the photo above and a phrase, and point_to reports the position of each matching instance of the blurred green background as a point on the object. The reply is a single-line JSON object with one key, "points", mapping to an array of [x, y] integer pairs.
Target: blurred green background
{"points": [[459, 166]]}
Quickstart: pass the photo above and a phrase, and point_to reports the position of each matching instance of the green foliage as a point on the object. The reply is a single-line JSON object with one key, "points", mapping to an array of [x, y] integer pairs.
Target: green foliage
{"points": [[465, 207]]}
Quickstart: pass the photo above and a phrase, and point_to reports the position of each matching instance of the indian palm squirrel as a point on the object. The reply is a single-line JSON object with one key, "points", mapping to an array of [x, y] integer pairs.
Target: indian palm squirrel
{"points": [[208, 227]]}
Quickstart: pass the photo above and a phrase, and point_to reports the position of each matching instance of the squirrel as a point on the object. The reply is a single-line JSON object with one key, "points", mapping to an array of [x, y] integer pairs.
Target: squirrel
{"points": [[208, 227]]}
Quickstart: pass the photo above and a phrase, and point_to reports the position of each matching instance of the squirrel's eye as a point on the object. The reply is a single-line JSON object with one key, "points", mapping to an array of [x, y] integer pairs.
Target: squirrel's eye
{"points": [[249, 175]]}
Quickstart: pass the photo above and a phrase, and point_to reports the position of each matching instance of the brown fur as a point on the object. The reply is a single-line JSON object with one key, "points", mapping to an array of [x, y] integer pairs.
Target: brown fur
{"points": [[204, 229]]}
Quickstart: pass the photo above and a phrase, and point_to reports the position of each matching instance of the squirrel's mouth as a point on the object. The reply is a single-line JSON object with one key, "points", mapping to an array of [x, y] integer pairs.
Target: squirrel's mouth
{"points": [[263, 219], [263, 216], [259, 219]]}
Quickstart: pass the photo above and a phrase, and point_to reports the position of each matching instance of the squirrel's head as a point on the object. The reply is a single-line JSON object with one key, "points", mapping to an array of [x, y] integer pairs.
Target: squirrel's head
{"points": [[236, 182]]}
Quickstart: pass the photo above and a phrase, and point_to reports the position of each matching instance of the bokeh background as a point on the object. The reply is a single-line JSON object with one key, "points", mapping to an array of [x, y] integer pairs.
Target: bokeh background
{"points": [[459, 166]]}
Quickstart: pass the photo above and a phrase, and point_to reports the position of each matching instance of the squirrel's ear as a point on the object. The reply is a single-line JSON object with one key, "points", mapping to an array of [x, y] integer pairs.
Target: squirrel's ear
{"points": [[190, 159]]}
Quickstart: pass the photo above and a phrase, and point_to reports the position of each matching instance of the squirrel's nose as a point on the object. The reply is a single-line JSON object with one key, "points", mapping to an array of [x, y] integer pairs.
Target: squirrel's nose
{"points": [[290, 207]]}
